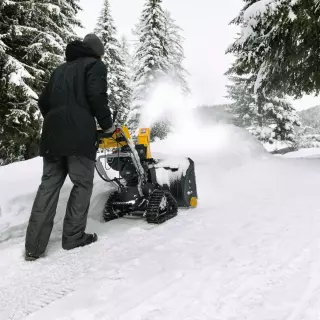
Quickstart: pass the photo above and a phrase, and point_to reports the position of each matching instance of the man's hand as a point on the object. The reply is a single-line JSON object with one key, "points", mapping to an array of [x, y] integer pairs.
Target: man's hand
{"points": [[110, 130]]}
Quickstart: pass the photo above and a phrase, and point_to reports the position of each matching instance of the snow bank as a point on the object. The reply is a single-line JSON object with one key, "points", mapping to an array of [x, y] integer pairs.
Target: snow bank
{"points": [[276, 145], [18, 186], [304, 153]]}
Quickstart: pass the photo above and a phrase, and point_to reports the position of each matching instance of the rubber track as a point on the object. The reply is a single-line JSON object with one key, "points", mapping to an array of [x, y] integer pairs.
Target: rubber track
{"points": [[108, 213], [153, 215]]}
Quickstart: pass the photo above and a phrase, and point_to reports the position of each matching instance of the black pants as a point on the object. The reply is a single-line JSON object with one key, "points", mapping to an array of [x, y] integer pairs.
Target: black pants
{"points": [[55, 170]]}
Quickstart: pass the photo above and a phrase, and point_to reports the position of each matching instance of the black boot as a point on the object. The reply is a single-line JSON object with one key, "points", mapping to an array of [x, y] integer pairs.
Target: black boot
{"points": [[87, 239], [30, 256]]}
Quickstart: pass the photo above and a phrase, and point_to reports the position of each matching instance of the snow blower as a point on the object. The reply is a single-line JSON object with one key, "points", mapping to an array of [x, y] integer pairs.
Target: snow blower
{"points": [[145, 187]]}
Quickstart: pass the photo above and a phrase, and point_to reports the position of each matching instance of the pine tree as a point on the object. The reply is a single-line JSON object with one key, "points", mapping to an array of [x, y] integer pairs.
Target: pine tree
{"points": [[18, 114], [269, 117], [15, 122], [241, 93], [278, 121], [38, 35], [125, 52], [279, 42], [128, 92], [176, 53], [151, 55], [119, 91], [33, 35], [272, 53]]}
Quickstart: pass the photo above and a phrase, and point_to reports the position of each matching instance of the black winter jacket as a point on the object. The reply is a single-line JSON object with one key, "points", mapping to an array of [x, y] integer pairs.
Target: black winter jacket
{"points": [[75, 95]]}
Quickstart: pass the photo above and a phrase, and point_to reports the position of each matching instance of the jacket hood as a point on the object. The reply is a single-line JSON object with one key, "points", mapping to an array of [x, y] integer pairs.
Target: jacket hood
{"points": [[77, 49]]}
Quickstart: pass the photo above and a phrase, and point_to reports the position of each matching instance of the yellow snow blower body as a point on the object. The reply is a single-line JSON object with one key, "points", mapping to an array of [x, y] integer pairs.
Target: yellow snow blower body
{"points": [[143, 138], [147, 187]]}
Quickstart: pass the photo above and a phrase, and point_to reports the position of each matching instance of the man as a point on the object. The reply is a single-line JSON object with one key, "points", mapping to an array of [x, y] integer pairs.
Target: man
{"points": [[74, 97]]}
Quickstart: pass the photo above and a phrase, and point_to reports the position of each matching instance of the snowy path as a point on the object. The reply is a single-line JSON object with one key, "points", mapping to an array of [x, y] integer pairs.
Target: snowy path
{"points": [[250, 251]]}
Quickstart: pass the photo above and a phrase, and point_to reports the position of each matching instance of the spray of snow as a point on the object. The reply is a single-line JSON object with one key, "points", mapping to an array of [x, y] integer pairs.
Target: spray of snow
{"points": [[190, 137], [225, 145], [166, 102]]}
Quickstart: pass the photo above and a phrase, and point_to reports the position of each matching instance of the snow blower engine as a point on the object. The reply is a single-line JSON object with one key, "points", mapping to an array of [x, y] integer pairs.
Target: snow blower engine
{"points": [[150, 188]]}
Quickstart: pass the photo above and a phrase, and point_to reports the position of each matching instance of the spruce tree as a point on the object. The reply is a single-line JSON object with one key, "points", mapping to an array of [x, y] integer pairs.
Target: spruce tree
{"points": [[269, 117], [119, 91], [240, 91], [128, 79], [151, 62], [276, 56], [15, 121], [33, 36], [18, 112], [125, 52], [159, 56], [176, 53], [279, 42]]}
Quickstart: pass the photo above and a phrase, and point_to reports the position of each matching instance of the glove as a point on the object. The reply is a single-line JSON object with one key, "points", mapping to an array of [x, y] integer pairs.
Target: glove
{"points": [[112, 129]]}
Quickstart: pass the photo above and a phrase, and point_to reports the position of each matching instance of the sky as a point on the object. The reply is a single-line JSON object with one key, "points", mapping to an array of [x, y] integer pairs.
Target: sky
{"points": [[207, 34]]}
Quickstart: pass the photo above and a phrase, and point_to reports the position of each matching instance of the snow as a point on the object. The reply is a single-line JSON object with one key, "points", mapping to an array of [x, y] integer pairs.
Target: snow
{"points": [[163, 176], [19, 183], [173, 162], [256, 12], [18, 75], [251, 250], [304, 153], [258, 8], [53, 8], [292, 15], [276, 145], [179, 165]]}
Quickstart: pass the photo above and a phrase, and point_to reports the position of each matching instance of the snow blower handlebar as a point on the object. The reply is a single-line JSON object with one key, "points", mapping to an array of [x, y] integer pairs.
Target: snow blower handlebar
{"points": [[106, 135]]}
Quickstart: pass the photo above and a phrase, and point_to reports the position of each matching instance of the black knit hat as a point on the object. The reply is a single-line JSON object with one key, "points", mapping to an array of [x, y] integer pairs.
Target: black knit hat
{"points": [[93, 41]]}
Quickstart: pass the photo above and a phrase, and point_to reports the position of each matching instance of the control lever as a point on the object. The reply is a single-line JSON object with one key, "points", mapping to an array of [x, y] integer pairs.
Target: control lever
{"points": [[101, 134]]}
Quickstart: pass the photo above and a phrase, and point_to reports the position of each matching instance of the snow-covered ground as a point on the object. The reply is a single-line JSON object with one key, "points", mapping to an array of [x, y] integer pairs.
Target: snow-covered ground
{"points": [[251, 250], [304, 153]]}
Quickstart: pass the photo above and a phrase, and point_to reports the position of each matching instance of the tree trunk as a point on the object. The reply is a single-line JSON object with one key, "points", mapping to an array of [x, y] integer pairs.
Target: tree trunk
{"points": [[260, 117], [32, 149]]}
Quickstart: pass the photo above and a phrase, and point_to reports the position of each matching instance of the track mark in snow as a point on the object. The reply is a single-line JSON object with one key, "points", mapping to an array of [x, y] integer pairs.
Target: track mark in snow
{"points": [[37, 302], [50, 279], [133, 297], [39, 284], [312, 289]]}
